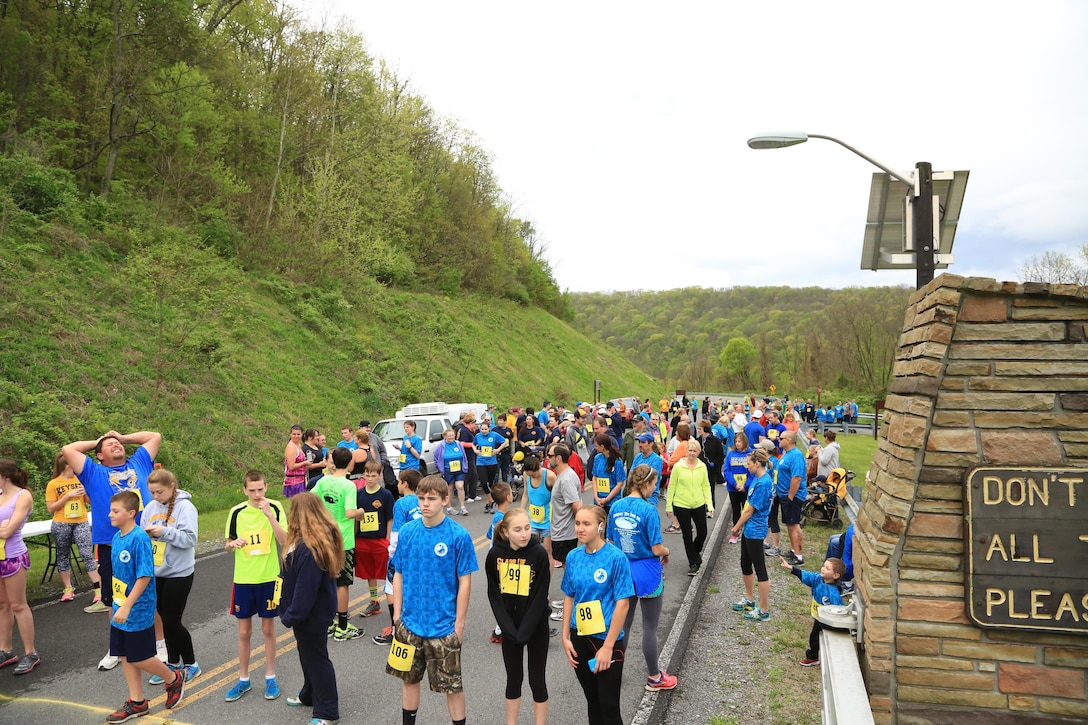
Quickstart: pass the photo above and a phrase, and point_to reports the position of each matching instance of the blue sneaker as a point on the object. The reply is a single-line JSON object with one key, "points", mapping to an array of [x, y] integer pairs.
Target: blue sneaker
{"points": [[156, 680], [236, 692], [271, 688], [192, 672], [757, 615]]}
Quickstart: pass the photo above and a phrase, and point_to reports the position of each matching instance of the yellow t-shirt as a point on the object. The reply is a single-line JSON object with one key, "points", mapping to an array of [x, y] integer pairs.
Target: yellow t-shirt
{"points": [[74, 511]]}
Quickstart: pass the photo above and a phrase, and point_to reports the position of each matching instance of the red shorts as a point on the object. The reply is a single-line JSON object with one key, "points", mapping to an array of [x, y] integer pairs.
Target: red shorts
{"points": [[371, 558]]}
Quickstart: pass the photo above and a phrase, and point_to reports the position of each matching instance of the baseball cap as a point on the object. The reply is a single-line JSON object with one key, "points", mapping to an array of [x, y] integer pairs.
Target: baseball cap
{"points": [[364, 423], [766, 443], [646, 438]]}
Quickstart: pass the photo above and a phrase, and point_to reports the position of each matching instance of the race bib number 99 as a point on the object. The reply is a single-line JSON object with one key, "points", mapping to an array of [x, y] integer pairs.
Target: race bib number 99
{"points": [[514, 579]]}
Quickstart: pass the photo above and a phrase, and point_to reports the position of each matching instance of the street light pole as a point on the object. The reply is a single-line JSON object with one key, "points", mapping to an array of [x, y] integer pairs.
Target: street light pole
{"points": [[920, 181]]}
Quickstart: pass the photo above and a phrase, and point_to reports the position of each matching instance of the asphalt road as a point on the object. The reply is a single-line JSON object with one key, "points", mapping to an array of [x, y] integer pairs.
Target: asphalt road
{"points": [[68, 688]]}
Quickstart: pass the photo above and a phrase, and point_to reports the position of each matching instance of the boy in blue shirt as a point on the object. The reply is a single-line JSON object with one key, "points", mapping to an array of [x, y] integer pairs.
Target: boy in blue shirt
{"points": [[433, 566], [825, 590], [132, 630], [405, 509]]}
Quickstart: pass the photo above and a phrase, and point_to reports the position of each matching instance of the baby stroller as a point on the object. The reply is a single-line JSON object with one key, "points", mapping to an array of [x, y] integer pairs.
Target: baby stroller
{"points": [[825, 497]]}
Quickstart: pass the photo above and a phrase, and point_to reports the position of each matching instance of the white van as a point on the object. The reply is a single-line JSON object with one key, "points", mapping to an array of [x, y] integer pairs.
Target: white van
{"points": [[431, 420]]}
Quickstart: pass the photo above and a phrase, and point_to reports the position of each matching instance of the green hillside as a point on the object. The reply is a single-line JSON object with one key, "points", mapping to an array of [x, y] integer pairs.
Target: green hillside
{"points": [[242, 357]]}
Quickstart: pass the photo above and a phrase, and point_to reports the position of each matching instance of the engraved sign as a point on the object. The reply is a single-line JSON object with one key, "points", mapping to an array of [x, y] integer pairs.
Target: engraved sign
{"points": [[1027, 548]]}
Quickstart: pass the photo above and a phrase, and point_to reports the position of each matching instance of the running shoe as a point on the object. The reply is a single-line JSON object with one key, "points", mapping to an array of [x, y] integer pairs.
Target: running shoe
{"points": [[271, 688], [674, 529], [664, 681], [7, 658], [108, 662], [744, 605], [757, 615], [295, 701], [332, 630], [175, 689], [97, 605], [385, 638], [69, 594], [128, 711], [160, 652], [557, 604], [321, 721], [693, 570], [772, 551], [371, 609], [556, 616], [766, 545], [451, 511], [192, 672], [156, 680], [464, 511], [29, 661], [558, 564], [733, 539], [343, 634], [810, 662], [496, 638], [236, 692]]}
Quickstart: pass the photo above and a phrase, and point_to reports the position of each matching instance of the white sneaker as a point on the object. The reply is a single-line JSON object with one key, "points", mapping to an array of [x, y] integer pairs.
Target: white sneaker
{"points": [[108, 662], [160, 652], [556, 616]]}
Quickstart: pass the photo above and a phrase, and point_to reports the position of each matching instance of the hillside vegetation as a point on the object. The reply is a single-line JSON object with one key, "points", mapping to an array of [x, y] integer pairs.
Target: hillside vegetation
{"points": [[750, 338], [223, 362]]}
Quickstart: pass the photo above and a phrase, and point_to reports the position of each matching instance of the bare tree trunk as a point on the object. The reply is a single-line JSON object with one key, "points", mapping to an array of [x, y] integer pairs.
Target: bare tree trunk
{"points": [[115, 102]]}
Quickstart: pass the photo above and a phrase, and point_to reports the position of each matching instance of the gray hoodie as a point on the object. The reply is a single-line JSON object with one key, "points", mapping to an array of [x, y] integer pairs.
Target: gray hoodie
{"points": [[179, 533]]}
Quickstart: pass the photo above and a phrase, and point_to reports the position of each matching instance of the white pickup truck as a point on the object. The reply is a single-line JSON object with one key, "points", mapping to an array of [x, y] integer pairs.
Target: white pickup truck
{"points": [[431, 420]]}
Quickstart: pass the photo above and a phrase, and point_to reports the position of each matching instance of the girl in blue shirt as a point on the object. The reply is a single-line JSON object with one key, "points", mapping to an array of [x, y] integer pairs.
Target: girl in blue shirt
{"points": [[736, 476], [753, 523], [538, 501], [608, 472], [635, 527], [597, 586]]}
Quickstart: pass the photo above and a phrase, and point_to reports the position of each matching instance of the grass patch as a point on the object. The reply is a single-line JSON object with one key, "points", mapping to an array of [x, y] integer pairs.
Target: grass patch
{"points": [[713, 590], [856, 453]]}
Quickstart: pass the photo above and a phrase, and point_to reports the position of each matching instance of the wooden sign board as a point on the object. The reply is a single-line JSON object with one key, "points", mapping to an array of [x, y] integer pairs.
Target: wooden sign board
{"points": [[1027, 548]]}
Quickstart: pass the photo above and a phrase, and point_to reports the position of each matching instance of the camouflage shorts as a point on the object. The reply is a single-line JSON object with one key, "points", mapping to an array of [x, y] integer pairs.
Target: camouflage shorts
{"points": [[440, 657]]}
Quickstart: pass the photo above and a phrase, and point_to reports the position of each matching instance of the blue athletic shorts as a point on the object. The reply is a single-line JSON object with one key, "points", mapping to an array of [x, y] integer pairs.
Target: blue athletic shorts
{"points": [[250, 599], [133, 646]]}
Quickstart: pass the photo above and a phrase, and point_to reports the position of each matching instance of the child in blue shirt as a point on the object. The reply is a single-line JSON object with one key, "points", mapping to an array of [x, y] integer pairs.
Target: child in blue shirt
{"points": [[433, 566], [411, 448], [132, 630], [405, 509], [825, 590]]}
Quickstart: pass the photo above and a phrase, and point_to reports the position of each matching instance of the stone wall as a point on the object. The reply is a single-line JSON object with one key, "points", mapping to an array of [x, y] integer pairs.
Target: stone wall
{"points": [[986, 372]]}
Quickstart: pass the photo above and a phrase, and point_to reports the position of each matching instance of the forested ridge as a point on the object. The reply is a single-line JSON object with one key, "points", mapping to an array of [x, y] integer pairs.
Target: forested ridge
{"points": [[245, 130], [217, 221], [749, 338]]}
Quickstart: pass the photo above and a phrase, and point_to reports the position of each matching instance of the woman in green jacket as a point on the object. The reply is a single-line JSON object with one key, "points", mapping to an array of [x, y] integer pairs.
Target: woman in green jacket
{"points": [[690, 500]]}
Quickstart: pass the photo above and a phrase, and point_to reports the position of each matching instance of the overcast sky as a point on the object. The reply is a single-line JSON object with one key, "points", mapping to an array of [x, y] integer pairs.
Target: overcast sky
{"points": [[620, 129]]}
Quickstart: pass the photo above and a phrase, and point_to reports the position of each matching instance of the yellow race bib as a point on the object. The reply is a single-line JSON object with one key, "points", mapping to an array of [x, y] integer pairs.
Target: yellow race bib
{"points": [[158, 549], [604, 485], [740, 478], [120, 592], [455, 465], [277, 590], [401, 656], [369, 522], [514, 579], [403, 458], [589, 618], [3, 546], [487, 451], [73, 509], [256, 545], [536, 514]]}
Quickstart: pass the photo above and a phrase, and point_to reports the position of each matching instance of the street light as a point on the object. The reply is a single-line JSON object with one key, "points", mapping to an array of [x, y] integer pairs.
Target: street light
{"points": [[921, 200]]}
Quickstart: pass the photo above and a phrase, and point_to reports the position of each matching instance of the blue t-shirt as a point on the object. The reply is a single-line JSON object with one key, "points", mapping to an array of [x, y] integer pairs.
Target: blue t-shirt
{"points": [[406, 509], [132, 559], [543, 417], [653, 461], [820, 415], [492, 440], [616, 475], [822, 592], [102, 482], [838, 412], [634, 526], [499, 516], [430, 560], [774, 434], [791, 464], [754, 432], [410, 461], [736, 468], [759, 498], [604, 575], [721, 432], [452, 452], [350, 445], [540, 501]]}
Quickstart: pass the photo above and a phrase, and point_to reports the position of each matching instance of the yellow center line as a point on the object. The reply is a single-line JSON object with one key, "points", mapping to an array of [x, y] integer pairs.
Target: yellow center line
{"points": [[105, 711], [256, 660]]}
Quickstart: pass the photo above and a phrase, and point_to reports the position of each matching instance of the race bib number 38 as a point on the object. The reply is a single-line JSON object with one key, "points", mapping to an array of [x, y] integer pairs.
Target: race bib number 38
{"points": [[537, 514]]}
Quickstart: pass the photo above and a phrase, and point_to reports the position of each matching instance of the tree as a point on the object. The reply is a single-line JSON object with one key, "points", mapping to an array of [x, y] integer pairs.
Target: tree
{"points": [[1057, 268], [739, 359]]}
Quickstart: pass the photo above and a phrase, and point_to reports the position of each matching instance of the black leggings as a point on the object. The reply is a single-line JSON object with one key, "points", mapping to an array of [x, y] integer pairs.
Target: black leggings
{"points": [[471, 476], [772, 517], [488, 476], [538, 664], [172, 594], [602, 690], [752, 558], [737, 500], [693, 547]]}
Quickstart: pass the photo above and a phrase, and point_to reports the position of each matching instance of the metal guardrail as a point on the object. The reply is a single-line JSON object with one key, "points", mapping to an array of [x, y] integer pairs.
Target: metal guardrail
{"points": [[845, 701]]}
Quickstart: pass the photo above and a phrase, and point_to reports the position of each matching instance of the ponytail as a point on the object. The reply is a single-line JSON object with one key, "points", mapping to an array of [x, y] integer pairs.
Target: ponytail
{"points": [[8, 469]]}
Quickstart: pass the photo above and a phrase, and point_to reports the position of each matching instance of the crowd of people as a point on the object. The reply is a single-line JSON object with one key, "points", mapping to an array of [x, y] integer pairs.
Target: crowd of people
{"points": [[353, 515]]}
